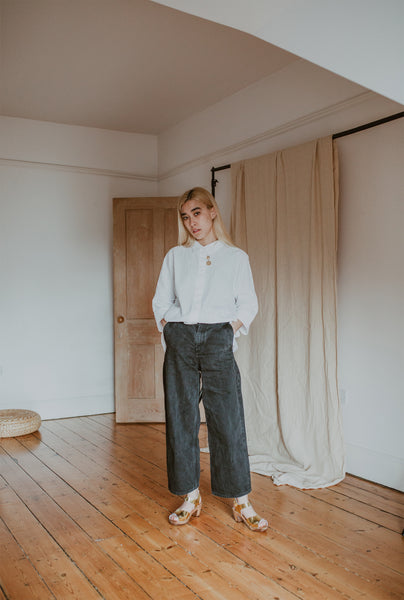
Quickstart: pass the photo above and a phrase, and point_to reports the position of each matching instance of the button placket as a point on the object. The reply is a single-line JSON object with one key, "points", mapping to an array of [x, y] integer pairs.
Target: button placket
{"points": [[200, 283]]}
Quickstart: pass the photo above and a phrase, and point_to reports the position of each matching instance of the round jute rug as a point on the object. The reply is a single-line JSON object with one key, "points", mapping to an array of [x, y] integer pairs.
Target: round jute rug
{"points": [[17, 421]]}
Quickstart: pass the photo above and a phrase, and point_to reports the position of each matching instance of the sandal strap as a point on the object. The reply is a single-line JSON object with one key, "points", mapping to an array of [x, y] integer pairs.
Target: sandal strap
{"points": [[195, 501], [185, 509], [254, 519], [241, 507], [187, 506]]}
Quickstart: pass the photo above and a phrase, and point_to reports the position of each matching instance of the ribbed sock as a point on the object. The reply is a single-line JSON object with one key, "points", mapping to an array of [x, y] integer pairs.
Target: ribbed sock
{"points": [[242, 499], [192, 495]]}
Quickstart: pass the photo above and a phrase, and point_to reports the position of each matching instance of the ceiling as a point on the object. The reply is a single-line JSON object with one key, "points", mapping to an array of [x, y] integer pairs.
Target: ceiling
{"points": [[127, 65]]}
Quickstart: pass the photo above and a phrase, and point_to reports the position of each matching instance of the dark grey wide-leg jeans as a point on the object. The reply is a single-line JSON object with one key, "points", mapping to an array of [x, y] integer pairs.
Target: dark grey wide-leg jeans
{"points": [[203, 353]]}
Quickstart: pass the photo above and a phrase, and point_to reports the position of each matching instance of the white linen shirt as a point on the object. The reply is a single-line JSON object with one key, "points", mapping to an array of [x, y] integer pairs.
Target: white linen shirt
{"points": [[190, 290]]}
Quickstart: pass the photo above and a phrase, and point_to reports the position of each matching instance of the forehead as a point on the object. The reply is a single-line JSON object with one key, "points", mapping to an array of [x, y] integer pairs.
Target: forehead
{"points": [[190, 205]]}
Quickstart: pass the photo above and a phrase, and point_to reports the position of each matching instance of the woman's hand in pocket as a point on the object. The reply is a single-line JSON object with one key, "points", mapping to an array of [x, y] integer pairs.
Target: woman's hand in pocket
{"points": [[236, 325]]}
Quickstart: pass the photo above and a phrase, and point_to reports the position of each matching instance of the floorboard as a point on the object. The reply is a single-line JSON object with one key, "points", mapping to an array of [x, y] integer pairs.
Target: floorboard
{"points": [[83, 514]]}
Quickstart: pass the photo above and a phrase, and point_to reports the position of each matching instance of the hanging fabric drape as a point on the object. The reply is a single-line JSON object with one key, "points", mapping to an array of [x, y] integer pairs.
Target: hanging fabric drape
{"points": [[284, 215]]}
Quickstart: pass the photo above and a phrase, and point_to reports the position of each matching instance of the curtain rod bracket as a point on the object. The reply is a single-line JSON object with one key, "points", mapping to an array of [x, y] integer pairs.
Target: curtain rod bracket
{"points": [[214, 181]]}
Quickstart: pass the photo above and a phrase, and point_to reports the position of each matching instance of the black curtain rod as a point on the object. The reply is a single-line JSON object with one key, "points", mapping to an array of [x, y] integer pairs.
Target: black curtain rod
{"points": [[368, 125], [399, 115]]}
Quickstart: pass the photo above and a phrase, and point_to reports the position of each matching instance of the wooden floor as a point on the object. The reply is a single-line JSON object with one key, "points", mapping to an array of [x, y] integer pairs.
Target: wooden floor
{"points": [[84, 506]]}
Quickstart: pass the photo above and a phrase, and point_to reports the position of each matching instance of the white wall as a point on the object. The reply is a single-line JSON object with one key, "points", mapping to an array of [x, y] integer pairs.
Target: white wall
{"points": [[371, 302], [300, 103], [361, 40], [56, 340]]}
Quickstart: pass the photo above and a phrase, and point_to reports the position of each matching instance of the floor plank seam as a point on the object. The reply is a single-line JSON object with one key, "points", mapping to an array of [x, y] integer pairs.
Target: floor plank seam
{"points": [[322, 556], [109, 482], [47, 530], [157, 562], [120, 446], [76, 523], [294, 567], [340, 489], [329, 503], [151, 499], [96, 508], [319, 555], [137, 489], [26, 557]]}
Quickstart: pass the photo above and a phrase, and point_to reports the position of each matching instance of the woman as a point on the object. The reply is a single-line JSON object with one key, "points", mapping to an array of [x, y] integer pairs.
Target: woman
{"points": [[204, 298]]}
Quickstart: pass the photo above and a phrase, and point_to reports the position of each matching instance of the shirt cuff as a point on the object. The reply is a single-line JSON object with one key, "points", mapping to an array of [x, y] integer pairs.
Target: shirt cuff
{"points": [[246, 321]]}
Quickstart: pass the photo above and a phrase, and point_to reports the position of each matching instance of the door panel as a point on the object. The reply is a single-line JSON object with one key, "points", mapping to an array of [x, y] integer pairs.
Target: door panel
{"points": [[144, 230], [139, 249]]}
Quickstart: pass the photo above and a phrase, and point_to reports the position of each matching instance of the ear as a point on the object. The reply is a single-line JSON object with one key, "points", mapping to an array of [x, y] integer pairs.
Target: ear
{"points": [[213, 213]]}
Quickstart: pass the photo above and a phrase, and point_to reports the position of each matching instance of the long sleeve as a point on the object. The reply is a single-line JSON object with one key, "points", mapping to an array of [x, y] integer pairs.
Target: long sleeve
{"points": [[245, 296], [164, 297]]}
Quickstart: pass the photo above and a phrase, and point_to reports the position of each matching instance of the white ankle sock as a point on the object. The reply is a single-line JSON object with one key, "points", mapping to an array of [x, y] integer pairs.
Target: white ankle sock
{"points": [[248, 511], [192, 495]]}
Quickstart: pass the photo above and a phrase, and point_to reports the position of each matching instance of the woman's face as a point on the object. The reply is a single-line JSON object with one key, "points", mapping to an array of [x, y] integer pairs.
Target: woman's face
{"points": [[198, 220]]}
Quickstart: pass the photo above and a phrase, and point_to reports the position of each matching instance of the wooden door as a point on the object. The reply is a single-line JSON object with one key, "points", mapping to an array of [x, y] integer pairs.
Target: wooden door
{"points": [[144, 230]]}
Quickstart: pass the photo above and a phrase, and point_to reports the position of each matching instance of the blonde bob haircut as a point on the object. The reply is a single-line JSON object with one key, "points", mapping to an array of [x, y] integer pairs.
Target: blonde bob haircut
{"points": [[202, 195]]}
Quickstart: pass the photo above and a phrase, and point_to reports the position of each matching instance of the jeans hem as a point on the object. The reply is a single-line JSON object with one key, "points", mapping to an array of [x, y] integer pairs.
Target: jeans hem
{"points": [[186, 492], [226, 495]]}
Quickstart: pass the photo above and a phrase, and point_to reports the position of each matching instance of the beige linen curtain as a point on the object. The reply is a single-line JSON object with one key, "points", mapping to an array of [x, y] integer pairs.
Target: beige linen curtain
{"points": [[284, 215]]}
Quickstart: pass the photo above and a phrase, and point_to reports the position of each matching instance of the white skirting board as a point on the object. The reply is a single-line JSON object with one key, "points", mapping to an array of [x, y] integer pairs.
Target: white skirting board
{"points": [[58, 408], [375, 466]]}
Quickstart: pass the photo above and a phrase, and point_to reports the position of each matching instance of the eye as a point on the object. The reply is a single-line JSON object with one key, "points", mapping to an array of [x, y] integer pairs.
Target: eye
{"points": [[184, 217], [196, 213]]}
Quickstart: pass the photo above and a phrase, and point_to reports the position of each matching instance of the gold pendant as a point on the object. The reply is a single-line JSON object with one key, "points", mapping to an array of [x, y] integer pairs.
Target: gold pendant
{"points": [[208, 260]]}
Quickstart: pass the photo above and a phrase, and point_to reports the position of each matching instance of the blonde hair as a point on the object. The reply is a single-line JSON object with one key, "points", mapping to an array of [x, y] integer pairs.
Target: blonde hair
{"points": [[199, 193]]}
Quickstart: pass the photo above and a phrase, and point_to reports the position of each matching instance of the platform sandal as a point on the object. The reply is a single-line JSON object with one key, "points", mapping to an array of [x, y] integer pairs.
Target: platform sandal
{"points": [[253, 522], [188, 509]]}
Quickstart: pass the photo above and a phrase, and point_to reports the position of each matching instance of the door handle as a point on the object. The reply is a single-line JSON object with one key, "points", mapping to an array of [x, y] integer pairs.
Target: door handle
{"points": [[120, 319]]}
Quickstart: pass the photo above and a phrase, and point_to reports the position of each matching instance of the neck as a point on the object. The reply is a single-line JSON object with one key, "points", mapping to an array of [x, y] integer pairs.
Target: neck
{"points": [[207, 240]]}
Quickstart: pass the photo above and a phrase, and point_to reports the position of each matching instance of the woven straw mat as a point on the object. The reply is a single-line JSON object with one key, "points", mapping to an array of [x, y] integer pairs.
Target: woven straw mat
{"points": [[18, 421]]}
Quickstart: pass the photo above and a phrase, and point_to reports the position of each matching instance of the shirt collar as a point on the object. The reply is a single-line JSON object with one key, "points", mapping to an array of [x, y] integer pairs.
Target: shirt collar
{"points": [[212, 247]]}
